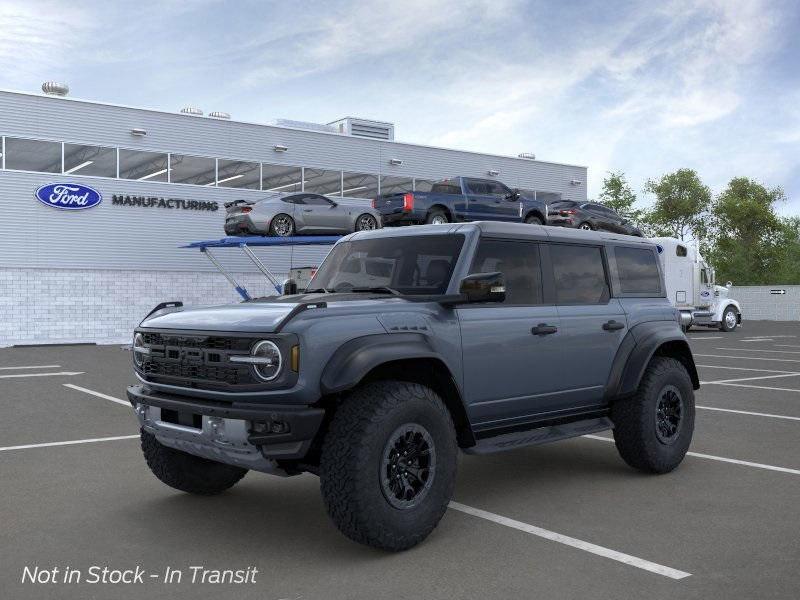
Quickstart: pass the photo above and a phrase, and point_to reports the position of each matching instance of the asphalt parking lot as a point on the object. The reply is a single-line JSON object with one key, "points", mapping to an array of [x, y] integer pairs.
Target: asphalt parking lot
{"points": [[565, 520]]}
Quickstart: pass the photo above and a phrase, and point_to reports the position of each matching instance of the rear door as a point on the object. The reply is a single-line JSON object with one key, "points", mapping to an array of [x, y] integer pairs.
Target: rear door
{"points": [[592, 322], [511, 350]]}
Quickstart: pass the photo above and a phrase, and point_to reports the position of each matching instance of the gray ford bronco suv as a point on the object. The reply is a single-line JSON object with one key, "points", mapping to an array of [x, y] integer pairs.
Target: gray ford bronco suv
{"points": [[409, 345]]}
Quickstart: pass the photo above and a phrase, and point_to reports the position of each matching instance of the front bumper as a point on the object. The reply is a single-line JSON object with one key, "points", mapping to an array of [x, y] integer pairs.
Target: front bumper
{"points": [[242, 434]]}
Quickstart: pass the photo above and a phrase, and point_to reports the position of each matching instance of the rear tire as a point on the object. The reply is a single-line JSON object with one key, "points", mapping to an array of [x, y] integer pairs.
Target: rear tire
{"points": [[533, 220], [388, 464], [729, 320], [366, 222], [281, 226], [186, 472], [437, 217], [653, 428], [586, 226]]}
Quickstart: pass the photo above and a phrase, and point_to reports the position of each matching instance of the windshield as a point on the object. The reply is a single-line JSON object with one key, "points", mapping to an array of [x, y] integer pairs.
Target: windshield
{"points": [[417, 265]]}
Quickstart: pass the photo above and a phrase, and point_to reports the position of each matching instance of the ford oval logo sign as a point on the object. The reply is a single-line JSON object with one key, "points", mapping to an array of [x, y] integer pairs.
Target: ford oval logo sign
{"points": [[68, 196]]}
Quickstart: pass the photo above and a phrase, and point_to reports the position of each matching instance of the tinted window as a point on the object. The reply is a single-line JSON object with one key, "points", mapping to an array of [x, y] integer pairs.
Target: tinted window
{"points": [[33, 155], [317, 200], [300, 199], [478, 187], [197, 170], [325, 182], [497, 189], [519, 264], [638, 271], [90, 160], [424, 185], [394, 185], [411, 265], [680, 250], [360, 185], [579, 274], [446, 187]]}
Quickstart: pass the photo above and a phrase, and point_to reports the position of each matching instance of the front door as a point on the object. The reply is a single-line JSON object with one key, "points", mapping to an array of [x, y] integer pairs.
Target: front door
{"points": [[511, 350], [322, 214], [592, 323]]}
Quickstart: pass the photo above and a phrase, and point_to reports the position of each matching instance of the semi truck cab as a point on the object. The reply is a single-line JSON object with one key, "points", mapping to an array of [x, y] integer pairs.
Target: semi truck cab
{"points": [[692, 289]]}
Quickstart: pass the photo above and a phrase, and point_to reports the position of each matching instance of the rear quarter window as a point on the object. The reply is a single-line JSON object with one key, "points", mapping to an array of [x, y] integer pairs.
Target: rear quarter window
{"points": [[637, 271]]}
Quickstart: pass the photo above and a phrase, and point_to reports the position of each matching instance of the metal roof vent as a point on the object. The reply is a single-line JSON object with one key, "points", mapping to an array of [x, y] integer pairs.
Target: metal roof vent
{"points": [[527, 155], [191, 110], [53, 88], [219, 115], [303, 125], [375, 130]]}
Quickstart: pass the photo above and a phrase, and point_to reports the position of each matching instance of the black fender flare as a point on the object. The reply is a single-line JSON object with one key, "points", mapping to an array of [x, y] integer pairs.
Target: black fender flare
{"points": [[638, 346], [356, 358]]}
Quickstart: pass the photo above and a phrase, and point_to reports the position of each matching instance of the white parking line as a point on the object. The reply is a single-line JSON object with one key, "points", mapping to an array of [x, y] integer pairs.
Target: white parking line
{"points": [[702, 337], [760, 387], [734, 461], [759, 350], [70, 442], [98, 394], [747, 412], [792, 360], [719, 381], [17, 375], [743, 368], [31, 367], [758, 340], [571, 541], [787, 346]]}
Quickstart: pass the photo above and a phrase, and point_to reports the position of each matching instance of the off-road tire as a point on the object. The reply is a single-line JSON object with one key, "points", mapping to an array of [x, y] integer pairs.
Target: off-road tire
{"points": [[186, 472], [723, 326], [635, 419], [435, 214], [352, 461], [533, 220]]}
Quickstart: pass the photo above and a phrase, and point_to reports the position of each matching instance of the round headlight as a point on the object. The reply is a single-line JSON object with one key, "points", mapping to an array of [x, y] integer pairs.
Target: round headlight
{"points": [[269, 360], [138, 350]]}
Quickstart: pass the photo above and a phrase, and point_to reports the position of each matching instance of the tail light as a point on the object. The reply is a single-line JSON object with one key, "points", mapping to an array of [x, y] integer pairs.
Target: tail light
{"points": [[408, 202], [374, 202], [246, 209], [571, 211]]}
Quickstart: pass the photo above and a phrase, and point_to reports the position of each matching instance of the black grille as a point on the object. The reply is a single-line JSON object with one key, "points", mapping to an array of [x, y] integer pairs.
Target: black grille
{"points": [[200, 361]]}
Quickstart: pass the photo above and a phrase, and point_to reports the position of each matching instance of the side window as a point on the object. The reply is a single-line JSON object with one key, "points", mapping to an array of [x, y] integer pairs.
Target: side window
{"points": [[638, 271], [445, 187], [294, 199], [497, 189], [519, 264], [317, 200], [579, 274], [680, 250], [475, 186]]}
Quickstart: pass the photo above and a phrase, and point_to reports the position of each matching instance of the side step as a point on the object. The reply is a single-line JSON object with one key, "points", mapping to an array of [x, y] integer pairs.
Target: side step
{"points": [[541, 435]]}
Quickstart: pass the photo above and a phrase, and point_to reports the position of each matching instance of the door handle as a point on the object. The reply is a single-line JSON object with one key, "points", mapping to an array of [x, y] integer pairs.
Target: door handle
{"points": [[307, 210], [544, 329], [613, 325]]}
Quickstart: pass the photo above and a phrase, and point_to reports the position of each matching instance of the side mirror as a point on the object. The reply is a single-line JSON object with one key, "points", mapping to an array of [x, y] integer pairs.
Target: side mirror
{"points": [[289, 287], [483, 287], [514, 195]]}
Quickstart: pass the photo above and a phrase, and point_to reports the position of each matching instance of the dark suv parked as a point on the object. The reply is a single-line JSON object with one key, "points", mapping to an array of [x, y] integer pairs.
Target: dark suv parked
{"points": [[589, 215], [411, 344]]}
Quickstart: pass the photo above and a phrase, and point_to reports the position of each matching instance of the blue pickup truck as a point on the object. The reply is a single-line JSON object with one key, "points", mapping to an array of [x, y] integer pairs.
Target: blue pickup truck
{"points": [[461, 199]]}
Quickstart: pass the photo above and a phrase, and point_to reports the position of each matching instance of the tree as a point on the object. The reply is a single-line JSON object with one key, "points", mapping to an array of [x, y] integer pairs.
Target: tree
{"points": [[681, 206], [618, 196], [752, 244]]}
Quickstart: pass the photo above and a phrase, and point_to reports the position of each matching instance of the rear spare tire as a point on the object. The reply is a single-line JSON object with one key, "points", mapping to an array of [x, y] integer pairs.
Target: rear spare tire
{"points": [[388, 464], [653, 428]]}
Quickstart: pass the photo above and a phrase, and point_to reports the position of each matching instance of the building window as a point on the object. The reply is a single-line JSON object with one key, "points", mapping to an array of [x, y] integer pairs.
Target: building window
{"points": [[33, 155], [320, 181], [238, 174], [396, 185], [143, 166], [279, 178], [423, 185], [195, 170], [359, 185], [90, 160]]}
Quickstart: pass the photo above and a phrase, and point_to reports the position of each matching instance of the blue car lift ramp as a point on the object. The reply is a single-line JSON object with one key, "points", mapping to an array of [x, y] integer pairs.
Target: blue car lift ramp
{"points": [[246, 243]]}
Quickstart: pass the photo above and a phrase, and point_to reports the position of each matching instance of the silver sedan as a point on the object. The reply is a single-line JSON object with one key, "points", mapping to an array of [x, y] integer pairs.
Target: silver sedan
{"points": [[300, 213]]}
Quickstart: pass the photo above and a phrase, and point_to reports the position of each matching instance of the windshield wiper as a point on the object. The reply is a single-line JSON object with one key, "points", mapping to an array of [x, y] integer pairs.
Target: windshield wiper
{"points": [[379, 290]]}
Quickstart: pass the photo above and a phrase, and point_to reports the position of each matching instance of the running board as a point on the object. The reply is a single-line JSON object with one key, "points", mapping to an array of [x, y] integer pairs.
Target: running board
{"points": [[541, 435]]}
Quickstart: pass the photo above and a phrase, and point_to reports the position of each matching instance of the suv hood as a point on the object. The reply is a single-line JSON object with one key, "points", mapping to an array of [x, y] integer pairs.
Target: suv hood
{"points": [[245, 317]]}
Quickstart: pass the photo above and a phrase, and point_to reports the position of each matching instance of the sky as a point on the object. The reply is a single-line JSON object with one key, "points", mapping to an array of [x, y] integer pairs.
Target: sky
{"points": [[639, 87]]}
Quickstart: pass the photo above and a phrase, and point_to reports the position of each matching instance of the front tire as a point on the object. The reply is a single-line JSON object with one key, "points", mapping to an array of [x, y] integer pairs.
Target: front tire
{"points": [[281, 225], [729, 320], [186, 472], [653, 428], [388, 464]]}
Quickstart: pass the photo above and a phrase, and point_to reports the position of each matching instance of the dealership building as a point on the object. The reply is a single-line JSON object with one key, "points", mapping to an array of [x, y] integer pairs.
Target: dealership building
{"points": [[161, 180]]}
